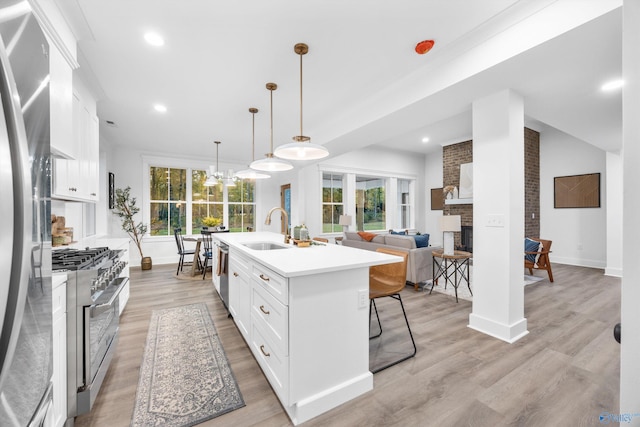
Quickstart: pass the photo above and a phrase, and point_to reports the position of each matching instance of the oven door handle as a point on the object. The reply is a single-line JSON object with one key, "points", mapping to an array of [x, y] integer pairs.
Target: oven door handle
{"points": [[98, 309]]}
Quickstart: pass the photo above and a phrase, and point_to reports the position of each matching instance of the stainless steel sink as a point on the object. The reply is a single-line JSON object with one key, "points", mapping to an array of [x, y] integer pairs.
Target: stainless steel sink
{"points": [[265, 246]]}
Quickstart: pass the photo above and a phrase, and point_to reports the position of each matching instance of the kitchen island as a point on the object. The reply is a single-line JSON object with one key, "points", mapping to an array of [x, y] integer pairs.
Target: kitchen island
{"points": [[304, 312]]}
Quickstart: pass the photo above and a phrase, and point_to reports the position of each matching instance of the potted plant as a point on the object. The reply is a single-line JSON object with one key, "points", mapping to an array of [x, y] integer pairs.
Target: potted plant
{"points": [[125, 207], [211, 222]]}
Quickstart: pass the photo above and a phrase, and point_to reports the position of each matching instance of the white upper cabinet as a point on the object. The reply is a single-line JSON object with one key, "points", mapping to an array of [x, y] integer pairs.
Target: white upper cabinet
{"points": [[63, 144], [78, 179]]}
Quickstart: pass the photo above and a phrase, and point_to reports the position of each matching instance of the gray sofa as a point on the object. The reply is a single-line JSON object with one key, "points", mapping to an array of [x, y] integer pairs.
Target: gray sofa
{"points": [[419, 267]]}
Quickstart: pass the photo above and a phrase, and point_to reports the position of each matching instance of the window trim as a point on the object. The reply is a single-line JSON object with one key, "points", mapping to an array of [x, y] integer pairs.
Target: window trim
{"points": [[349, 186], [189, 164]]}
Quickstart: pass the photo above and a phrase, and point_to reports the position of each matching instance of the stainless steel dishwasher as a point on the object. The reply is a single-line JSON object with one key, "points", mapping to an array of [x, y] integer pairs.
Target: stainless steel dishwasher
{"points": [[224, 273]]}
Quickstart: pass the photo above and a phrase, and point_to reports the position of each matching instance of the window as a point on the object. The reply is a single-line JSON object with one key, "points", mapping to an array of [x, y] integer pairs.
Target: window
{"points": [[404, 203], [370, 203], [167, 200], [179, 198], [241, 206], [332, 202], [206, 201]]}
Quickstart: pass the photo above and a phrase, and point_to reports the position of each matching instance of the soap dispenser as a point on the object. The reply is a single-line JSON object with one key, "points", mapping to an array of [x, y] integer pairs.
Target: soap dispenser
{"points": [[304, 232]]}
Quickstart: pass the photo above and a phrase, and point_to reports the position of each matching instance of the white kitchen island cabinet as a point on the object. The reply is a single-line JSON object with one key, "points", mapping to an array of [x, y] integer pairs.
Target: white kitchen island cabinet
{"points": [[304, 313]]}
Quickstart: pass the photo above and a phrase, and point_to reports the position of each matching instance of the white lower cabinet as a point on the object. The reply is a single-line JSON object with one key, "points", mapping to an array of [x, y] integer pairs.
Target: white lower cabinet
{"points": [[59, 305], [308, 333], [240, 293]]}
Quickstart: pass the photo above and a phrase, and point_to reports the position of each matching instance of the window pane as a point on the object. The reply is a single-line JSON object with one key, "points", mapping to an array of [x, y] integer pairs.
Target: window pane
{"points": [[178, 184], [202, 210], [159, 219], [240, 217], [242, 192], [198, 190], [177, 217], [330, 218], [158, 183], [370, 203]]}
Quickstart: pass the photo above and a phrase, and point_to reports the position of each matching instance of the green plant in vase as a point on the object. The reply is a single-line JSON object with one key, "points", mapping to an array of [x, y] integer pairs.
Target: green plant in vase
{"points": [[210, 221], [125, 208]]}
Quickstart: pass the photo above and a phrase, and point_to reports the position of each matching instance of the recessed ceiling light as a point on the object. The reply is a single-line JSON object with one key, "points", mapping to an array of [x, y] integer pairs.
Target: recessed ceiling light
{"points": [[612, 85], [154, 39], [425, 139], [160, 108]]}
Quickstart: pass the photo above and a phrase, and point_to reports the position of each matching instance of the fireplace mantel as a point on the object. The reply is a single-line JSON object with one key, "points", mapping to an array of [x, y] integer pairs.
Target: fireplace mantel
{"points": [[468, 201]]}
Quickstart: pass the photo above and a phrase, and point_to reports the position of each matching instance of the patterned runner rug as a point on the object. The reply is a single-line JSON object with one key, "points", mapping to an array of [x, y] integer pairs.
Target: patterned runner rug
{"points": [[185, 378]]}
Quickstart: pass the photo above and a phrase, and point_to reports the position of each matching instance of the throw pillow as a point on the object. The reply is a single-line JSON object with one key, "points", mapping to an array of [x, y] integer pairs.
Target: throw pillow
{"points": [[366, 235], [422, 240], [397, 232], [531, 246]]}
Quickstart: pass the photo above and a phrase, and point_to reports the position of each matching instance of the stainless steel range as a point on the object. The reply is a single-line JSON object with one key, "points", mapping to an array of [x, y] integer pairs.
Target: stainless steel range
{"points": [[93, 286]]}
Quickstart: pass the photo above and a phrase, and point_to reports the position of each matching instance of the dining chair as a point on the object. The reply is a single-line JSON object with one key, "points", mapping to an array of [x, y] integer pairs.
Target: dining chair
{"points": [[388, 280], [208, 251], [177, 232], [321, 239]]}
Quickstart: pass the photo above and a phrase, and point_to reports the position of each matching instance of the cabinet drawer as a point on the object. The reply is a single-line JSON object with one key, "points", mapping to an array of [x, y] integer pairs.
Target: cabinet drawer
{"points": [[273, 282], [59, 301], [271, 315], [274, 364]]}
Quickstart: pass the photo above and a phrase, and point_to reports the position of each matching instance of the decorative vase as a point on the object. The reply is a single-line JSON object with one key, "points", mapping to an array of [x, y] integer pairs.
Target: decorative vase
{"points": [[455, 192], [146, 263]]}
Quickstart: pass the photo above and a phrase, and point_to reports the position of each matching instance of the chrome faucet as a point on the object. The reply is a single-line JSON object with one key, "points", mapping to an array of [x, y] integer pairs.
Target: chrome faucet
{"points": [[286, 219]]}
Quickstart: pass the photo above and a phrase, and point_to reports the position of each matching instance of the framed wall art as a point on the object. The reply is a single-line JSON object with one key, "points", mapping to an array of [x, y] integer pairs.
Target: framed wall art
{"points": [[437, 199], [577, 191]]}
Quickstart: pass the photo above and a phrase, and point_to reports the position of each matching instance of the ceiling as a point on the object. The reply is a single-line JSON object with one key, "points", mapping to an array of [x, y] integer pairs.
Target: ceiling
{"points": [[218, 56]]}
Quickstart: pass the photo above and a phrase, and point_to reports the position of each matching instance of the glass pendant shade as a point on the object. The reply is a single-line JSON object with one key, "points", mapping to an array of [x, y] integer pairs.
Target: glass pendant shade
{"points": [[271, 163], [302, 149], [215, 177]]}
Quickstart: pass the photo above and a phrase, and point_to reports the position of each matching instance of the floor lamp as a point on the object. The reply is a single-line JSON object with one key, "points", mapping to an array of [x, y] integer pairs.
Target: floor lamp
{"points": [[345, 221], [449, 224]]}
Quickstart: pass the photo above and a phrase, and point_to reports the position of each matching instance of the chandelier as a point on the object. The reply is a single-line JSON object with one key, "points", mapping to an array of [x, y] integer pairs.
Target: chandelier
{"points": [[215, 177]]}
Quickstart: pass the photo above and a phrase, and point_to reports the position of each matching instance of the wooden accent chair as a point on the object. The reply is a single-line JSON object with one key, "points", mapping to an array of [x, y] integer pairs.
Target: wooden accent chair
{"points": [[542, 256], [388, 280]]}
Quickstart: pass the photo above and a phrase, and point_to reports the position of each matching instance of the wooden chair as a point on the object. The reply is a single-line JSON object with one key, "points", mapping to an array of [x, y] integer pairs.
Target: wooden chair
{"points": [[542, 256], [321, 239], [208, 251], [388, 280], [177, 233]]}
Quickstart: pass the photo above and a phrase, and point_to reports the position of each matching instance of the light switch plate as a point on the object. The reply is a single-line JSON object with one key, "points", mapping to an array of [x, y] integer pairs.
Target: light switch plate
{"points": [[363, 298]]}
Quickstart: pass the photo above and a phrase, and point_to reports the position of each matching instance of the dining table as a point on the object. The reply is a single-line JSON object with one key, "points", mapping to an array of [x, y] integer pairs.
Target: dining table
{"points": [[196, 265]]}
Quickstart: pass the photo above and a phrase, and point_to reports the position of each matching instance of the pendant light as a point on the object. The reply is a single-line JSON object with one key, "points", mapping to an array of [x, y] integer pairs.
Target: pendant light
{"points": [[250, 173], [216, 177], [302, 149], [271, 163]]}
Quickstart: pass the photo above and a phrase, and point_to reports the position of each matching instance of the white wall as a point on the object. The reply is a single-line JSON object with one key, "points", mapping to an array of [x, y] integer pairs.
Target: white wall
{"points": [[578, 235], [433, 176], [614, 215]]}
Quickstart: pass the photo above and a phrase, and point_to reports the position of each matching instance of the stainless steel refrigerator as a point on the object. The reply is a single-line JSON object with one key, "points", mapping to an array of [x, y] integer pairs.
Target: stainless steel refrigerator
{"points": [[25, 225]]}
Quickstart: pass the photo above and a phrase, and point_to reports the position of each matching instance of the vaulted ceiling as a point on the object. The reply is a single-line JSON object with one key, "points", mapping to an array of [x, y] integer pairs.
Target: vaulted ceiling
{"points": [[363, 82]]}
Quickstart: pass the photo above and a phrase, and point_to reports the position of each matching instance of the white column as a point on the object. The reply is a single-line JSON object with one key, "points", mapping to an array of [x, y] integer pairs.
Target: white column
{"points": [[630, 351], [614, 214], [498, 216]]}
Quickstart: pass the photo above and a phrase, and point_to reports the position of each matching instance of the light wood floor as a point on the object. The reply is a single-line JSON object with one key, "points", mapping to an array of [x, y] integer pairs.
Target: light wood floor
{"points": [[565, 372]]}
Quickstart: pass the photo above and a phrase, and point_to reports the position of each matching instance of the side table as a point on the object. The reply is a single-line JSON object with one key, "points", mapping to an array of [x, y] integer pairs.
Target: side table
{"points": [[454, 267]]}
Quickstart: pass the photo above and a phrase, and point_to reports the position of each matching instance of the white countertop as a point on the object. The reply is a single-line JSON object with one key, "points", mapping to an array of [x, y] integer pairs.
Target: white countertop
{"points": [[295, 261]]}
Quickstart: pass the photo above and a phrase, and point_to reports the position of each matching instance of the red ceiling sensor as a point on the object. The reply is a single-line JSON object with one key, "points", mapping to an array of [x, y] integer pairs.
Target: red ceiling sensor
{"points": [[424, 46]]}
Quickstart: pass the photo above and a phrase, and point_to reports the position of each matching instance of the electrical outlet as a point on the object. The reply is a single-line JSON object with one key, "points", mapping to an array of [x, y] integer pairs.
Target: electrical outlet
{"points": [[363, 298], [495, 220]]}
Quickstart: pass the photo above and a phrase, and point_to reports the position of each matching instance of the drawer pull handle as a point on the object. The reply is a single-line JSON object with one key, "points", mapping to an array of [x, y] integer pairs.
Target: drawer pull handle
{"points": [[264, 352], [263, 277], [235, 274], [263, 310]]}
